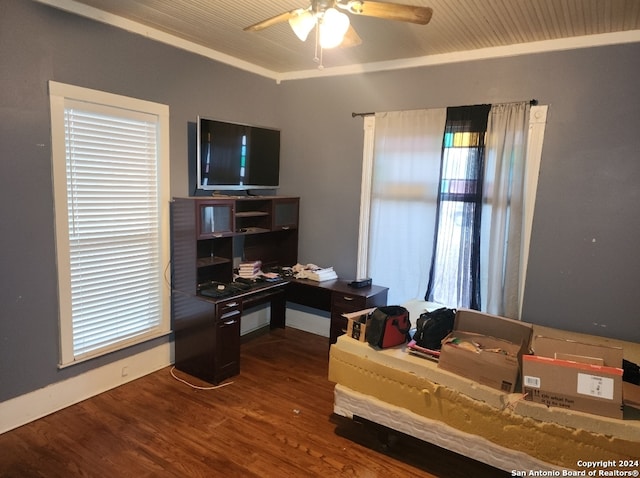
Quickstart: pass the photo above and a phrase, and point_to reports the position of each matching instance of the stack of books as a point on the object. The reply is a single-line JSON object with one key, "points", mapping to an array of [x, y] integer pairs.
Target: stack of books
{"points": [[322, 274], [249, 269]]}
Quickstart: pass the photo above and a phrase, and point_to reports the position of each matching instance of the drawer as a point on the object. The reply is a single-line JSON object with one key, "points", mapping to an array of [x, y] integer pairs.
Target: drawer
{"points": [[347, 302], [338, 327], [228, 309], [339, 323]]}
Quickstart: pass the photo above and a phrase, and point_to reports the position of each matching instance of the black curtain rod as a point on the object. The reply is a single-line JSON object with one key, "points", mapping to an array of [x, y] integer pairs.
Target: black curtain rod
{"points": [[353, 115], [533, 102]]}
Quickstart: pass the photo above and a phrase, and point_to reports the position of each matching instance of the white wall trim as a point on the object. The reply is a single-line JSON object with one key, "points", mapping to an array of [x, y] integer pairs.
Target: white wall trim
{"points": [[571, 43], [365, 196], [537, 125], [20, 410]]}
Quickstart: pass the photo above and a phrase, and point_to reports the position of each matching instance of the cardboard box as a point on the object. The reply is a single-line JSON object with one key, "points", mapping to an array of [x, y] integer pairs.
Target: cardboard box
{"points": [[575, 376], [631, 395], [357, 324], [631, 388], [502, 342]]}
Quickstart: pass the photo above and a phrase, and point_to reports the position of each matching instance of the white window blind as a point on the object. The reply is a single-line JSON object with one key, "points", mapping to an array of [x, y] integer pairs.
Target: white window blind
{"points": [[111, 248]]}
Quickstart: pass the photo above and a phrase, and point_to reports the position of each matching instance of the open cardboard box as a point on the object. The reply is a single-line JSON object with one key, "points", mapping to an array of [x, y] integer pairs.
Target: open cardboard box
{"points": [[495, 369], [575, 376], [357, 323]]}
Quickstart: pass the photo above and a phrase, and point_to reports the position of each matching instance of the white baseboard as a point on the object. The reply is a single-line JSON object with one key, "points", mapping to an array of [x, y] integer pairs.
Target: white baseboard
{"points": [[39, 403]]}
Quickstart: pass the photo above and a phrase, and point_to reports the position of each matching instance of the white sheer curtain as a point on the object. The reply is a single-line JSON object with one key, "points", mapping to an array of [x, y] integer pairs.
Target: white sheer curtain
{"points": [[502, 215], [404, 189]]}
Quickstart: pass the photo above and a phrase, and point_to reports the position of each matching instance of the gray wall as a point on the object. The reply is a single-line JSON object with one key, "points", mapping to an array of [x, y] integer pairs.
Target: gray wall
{"points": [[588, 185], [584, 259], [38, 44]]}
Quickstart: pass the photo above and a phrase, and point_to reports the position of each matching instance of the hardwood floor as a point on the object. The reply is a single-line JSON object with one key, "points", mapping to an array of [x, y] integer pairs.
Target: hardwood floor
{"points": [[274, 420]]}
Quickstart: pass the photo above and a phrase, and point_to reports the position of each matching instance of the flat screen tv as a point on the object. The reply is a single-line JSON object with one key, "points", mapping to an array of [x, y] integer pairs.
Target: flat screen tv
{"points": [[233, 156]]}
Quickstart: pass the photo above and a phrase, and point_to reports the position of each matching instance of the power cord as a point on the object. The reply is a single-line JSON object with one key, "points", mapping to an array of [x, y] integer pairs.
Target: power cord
{"points": [[197, 387]]}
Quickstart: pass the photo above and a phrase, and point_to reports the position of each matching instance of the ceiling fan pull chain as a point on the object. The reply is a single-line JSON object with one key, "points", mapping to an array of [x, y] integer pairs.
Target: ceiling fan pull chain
{"points": [[318, 52]]}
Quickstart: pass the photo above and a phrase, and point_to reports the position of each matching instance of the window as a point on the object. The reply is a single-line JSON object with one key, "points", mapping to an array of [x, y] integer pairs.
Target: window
{"points": [[111, 197], [402, 187]]}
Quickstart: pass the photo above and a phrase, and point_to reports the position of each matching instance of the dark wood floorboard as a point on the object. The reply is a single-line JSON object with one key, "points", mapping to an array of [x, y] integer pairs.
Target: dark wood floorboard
{"points": [[274, 420]]}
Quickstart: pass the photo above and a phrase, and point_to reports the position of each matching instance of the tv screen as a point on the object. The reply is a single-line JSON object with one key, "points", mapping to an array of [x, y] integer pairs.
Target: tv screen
{"points": [[234, 156]]}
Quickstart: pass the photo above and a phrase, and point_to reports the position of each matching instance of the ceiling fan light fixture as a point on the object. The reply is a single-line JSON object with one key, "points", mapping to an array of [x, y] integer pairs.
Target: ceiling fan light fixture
{"points": [[354, 6], [333, 26], [302, 23]]}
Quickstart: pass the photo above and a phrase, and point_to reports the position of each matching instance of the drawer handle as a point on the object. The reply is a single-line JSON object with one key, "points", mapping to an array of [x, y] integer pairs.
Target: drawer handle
{"points": [[346, 297], [230, 322], [231, 304], [232, 313]]}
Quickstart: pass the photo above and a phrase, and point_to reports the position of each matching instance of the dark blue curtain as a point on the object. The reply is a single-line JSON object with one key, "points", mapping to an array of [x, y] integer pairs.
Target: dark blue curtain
{"points": [[454, 277]]}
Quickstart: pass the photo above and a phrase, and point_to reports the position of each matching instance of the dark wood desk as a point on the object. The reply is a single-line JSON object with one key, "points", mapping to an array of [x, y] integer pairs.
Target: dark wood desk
{"points": [[207, 330], [337, 297]]}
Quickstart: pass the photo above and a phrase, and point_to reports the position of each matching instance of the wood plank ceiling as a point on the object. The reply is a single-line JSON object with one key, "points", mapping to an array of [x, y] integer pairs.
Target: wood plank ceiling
{"points": [[457, 27]]}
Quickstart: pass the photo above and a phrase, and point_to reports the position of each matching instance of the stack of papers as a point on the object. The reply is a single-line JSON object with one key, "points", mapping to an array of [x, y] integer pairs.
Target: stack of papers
{"points": [[313, 272], [322, 274]]}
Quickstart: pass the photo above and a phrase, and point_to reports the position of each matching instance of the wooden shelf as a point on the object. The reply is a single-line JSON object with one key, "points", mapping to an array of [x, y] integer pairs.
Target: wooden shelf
{"points": [[251, 214], [212, 261], [254, 230], [266, 229]]}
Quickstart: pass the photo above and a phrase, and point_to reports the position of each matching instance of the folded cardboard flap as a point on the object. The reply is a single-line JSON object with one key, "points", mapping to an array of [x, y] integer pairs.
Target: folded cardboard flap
{"points": [[631, 394], [357, 323], [575, 365], [579, 358], [582, 352], [514, 331], [360, 315]]}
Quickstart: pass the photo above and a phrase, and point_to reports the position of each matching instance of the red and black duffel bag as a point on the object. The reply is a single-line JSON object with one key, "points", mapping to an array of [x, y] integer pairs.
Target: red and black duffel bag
{"points": [[388, 326]]}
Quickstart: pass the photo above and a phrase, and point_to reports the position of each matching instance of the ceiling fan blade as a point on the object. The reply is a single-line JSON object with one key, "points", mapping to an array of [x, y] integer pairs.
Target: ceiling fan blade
{"points": [[282, 17], [390, 11], [351, 38]]}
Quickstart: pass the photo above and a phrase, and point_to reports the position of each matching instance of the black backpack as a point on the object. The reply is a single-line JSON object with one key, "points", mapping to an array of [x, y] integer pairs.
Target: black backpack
{"points": [[432, 327]]}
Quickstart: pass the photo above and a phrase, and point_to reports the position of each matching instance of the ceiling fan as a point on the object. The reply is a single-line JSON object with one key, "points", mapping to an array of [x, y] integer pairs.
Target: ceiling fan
{"points": [[333, 26]]}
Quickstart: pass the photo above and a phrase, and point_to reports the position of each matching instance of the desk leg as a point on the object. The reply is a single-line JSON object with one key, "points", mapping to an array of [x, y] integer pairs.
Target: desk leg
{"points": [[278, 310]]}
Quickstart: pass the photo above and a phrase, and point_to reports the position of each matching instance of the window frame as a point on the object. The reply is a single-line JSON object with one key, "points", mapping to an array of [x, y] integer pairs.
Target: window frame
{"points": [[62, 96]]}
